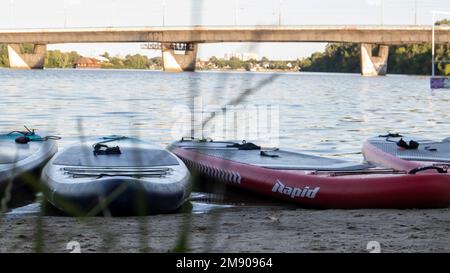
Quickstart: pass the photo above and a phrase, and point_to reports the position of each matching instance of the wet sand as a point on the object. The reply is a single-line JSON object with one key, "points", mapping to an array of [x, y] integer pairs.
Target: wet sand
{"points": [[238, 229]]}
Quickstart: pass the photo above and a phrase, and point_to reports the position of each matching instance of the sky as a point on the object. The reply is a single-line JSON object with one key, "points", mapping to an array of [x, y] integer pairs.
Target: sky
{"points": [[19, 14]]}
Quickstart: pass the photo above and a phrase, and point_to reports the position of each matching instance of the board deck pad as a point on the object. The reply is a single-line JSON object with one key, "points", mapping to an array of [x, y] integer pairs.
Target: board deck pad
{"points": [[427, 150], [130, 157], [11, 153], [284, 160]]}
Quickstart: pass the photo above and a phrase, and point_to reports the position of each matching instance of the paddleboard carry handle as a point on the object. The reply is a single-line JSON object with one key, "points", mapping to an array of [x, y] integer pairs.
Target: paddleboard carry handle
{"points": [[421, 169], [191, 139], [268, 154], [22, 140], [389, 134], [247, 146], [102, 149], [411, 145], [184, 139]]}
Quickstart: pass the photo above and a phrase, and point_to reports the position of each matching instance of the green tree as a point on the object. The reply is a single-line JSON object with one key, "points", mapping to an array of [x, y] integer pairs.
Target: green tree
{"points": [[27, 48], [405, 59], [106, 55], [58, 59], [156, 62], [235, 63], [336, 58], [114, 62], [214, 60], [221, 63], [248, 66], [443, 22], [136, 61], [264, 60], [4, 60]]}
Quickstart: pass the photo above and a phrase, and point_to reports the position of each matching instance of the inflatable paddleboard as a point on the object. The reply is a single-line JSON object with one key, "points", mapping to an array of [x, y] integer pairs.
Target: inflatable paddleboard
{"points": [[116, 175], [22, 156], [407, 152], [311, 181]]}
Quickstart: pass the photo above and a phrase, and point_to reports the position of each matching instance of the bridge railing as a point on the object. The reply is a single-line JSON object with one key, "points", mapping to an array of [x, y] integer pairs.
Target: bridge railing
{"points": [[20, 14]]}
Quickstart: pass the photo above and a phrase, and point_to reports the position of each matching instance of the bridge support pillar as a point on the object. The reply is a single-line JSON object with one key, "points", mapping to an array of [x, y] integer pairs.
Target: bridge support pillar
{"points": [[20, 60], [178, 57], [374, 65]]}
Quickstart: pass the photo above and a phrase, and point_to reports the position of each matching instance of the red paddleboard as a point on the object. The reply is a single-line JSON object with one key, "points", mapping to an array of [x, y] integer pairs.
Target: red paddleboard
{"points": [[312, 181], [406, 153]]}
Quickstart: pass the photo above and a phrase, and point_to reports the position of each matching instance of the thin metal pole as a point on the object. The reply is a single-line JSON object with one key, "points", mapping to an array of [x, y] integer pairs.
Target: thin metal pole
{"points": [[65, 14], [236, 5], [280, 2], [415, 12], [433, 43], [11, 3], [164, 13]]}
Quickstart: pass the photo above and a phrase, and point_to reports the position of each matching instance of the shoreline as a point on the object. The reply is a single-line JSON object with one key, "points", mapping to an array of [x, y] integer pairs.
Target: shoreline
{"points": [[238, 229], [227, 71]]}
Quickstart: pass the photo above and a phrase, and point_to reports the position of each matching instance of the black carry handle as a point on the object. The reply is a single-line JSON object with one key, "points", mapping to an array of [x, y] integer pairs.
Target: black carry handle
{"points": [[421, 169], [267, 154], [183, 139], [190, 139], [247, 146], [22, 140], [412, 145], [102, 149], [389, 134]]}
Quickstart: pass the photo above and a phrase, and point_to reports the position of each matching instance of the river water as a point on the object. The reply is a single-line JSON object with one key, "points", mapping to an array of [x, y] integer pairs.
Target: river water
{"points": [[325, 114]]}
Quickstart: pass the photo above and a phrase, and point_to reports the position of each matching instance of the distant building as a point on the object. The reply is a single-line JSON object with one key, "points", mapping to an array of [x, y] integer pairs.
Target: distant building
{"points": [[86, 62], [241, 56]]}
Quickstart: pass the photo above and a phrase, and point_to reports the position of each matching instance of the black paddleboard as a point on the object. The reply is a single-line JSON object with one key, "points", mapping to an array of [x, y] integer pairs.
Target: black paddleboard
{"points": [[118, 176]]}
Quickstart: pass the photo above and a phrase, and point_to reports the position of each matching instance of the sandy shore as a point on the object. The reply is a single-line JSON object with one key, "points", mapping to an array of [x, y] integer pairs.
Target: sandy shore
{"points": [[239, 229]]}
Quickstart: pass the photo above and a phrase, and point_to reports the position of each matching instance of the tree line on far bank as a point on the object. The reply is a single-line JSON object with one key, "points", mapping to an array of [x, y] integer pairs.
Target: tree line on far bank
{"points": [[59, 59], [403, 59], [337, 57], [136, 61], [408, 59], [249, 65]]}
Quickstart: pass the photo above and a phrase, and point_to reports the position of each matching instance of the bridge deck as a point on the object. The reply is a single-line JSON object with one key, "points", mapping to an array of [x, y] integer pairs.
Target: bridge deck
{"points": [[387, 35]]}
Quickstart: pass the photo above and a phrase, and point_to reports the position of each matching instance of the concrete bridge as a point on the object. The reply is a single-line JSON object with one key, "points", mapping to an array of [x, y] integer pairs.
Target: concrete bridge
{"points": [[179, 44]]}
